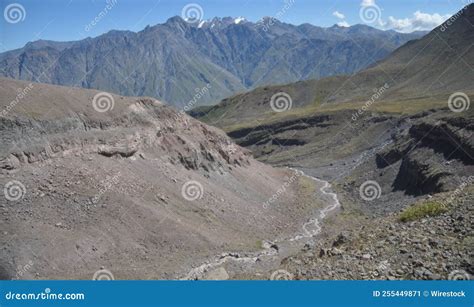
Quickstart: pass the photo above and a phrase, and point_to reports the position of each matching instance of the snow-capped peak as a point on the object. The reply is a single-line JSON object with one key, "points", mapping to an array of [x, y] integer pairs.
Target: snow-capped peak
{"points": [[239, 20], [220, 22], [202, 23]]}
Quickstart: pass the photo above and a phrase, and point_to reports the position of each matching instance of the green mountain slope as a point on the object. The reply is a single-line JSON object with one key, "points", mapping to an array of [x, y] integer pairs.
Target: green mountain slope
{"points": [[419, 75]]}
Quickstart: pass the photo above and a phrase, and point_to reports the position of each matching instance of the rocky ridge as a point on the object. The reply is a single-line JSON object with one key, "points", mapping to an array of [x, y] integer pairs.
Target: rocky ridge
{"points": [[175, 60], [431, 248]]}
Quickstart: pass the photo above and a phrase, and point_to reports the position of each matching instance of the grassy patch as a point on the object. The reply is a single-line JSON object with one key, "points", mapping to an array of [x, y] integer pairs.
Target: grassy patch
{"points": [[418, 211], [405, 107]]}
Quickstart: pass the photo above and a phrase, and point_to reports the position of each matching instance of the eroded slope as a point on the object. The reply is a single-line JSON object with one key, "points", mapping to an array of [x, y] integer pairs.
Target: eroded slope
{"points": [[139, 189]]}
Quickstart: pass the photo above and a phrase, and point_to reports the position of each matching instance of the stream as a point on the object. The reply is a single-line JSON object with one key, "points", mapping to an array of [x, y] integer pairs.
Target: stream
{"points": [[273, 251]]}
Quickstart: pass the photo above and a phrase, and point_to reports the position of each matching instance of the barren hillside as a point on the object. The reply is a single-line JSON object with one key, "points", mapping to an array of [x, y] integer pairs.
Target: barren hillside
{"points": [[127, 184]]}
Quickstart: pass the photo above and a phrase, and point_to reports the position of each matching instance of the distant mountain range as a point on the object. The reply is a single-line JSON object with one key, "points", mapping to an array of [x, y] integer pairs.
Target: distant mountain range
{"points": [[143, 191], [421, 74], [406, 123], [176, 60]]}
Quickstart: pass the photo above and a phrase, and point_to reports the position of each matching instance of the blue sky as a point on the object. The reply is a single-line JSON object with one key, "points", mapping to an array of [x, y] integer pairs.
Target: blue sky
{"points": [[65, 20]]}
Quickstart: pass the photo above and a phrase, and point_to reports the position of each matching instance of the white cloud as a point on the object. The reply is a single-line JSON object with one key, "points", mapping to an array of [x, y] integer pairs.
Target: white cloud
{"points": [[343, 24], [371, 13], [418, 22], [341, 17], [338, 15]]}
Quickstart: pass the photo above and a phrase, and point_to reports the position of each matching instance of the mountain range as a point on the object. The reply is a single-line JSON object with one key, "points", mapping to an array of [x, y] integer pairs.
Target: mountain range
{"points": [[174, 61], [421, 74], [407, 118], [396, 141], [364, 175]]}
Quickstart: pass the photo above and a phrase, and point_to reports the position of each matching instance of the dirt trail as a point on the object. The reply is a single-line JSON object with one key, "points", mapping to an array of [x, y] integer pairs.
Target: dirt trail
{"points": [[273, 251]]}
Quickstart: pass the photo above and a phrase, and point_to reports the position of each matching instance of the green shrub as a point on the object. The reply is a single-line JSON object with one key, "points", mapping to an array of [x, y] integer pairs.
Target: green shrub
{"points": [[418, 211]]}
